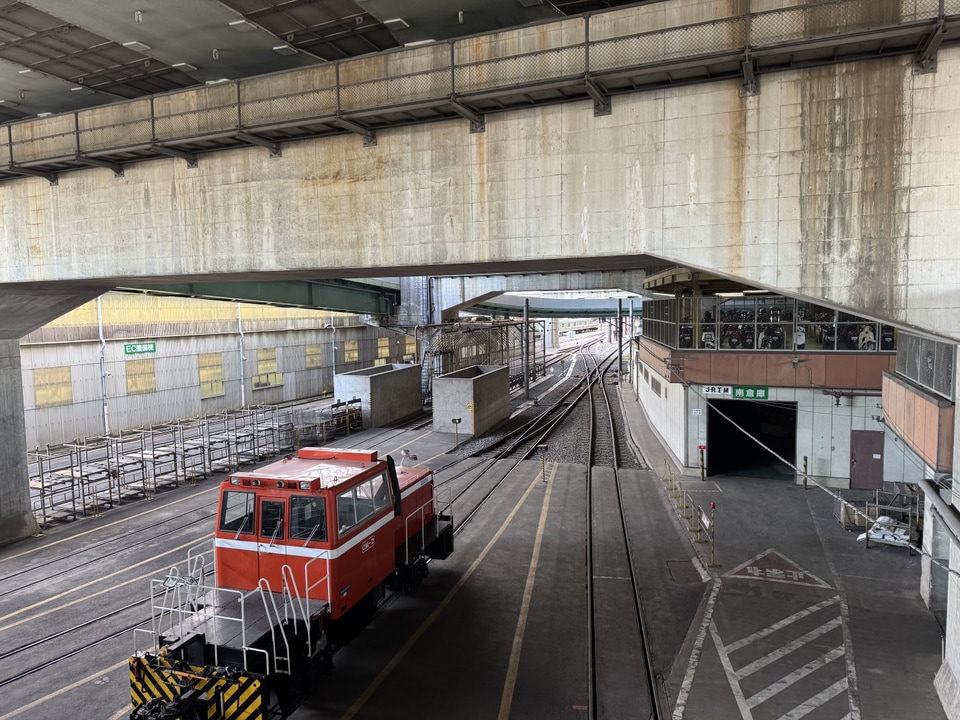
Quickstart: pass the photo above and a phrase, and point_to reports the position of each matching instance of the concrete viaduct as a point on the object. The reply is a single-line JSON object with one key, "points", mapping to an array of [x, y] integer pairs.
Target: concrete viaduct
{"points": [[837, 182]]}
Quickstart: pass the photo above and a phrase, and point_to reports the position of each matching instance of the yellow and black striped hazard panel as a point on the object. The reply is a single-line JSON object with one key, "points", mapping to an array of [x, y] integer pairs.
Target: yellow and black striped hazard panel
{"points": [[160, 686]]}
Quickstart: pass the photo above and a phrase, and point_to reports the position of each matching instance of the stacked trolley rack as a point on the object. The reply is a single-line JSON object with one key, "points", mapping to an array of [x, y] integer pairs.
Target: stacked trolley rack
{"points": [[306, 549]]}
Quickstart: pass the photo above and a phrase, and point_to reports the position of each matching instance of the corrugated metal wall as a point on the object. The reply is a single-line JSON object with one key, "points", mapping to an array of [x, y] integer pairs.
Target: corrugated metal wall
{"points": [[173, 332]]}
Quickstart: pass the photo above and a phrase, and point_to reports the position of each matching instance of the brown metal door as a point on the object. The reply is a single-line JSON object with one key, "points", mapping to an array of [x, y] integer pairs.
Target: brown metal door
{"points": [[866, 459]]}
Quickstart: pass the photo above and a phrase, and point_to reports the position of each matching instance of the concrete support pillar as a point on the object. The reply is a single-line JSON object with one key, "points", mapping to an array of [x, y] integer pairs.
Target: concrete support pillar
{"points": [[416, 304], [933, 576], [946, 681], [16, 519], [551, 333]]}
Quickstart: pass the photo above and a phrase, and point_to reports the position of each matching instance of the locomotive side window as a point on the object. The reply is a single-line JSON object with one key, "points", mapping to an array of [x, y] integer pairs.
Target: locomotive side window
{"points": [[308, 519], [346, 511], [236, 513], [271, 519], [360, 502], [381, 492]]}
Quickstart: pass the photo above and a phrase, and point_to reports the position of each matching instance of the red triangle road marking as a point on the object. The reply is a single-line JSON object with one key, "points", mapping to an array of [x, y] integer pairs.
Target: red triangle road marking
{"points": [[774, 567]]}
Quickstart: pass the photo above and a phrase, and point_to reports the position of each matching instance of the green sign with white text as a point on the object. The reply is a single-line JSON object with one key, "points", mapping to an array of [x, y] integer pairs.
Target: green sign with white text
{"points": [[749, 392], [138, 348]]}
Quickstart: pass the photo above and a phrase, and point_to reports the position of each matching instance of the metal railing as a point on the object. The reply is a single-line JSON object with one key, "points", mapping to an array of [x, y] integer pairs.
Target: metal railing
{"points": [[576, 50]]}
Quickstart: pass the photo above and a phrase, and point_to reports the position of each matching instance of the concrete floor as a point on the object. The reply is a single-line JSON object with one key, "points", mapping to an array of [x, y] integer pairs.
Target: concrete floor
{"points": [[797, 617]]}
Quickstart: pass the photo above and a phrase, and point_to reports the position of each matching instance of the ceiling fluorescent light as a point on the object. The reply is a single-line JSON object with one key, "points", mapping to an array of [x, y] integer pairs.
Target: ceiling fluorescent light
{"points": [[285, 50], [81, 90], [242, 26], [185, 67], [396, 24], [8, 103], [136, 45]]}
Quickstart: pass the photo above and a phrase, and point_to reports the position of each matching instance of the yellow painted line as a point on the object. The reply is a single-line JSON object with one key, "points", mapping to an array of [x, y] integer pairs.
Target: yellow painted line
{"points": [[122, 712], [96, 581], [406, 444], [98, 528], [68, 688], [401, 653], [506, 700], [431, 459]]}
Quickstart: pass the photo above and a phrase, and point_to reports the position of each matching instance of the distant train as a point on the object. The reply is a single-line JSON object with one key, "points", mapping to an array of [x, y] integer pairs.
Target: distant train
{"points": [[306, 549]]}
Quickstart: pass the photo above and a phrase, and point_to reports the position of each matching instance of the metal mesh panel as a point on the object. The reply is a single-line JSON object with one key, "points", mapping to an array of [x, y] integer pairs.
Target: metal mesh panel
{"points": [[121, 125], [720, 35], [400, 90], [951, 7], [321, 103], [544, 65], [44, 139], [116, 136], [943, 369], [196, 112], [308, 93], [908, 351], [830, 18], [927, 362]]}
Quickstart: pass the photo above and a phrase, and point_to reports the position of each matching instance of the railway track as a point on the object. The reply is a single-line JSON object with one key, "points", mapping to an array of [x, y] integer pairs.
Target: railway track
{"points": [[475, 478], [611, 576]]}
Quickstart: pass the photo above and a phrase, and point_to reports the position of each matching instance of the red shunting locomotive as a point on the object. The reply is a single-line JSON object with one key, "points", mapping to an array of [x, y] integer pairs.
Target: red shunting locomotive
{"points": [[306, 549]]}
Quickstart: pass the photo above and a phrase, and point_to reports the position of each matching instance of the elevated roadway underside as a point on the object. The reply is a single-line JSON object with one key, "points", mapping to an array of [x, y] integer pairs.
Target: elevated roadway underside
{"points": [[795, 93]]}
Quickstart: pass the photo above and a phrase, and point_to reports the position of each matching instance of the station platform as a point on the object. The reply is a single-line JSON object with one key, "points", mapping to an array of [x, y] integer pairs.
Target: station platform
{"points": [[799, 618]]}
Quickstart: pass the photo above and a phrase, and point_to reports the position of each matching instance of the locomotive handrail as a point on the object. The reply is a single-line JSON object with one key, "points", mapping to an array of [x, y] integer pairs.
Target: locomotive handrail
{"points": [[295, 600], [266, 592], [420, 512], [443, 513], [171, 585], [308, 587], [200, 557], [153, 637]]}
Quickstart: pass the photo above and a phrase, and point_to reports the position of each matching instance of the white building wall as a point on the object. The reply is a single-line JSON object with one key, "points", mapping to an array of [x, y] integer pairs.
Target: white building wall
{"points": [[176, 368], [665, 405], [822, 433]]}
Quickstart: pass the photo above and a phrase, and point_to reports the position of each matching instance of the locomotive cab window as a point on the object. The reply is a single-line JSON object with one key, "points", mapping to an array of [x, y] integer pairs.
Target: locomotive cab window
{"points": [[271, 519], [308, 519], [361, 502], [236, 512]]}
